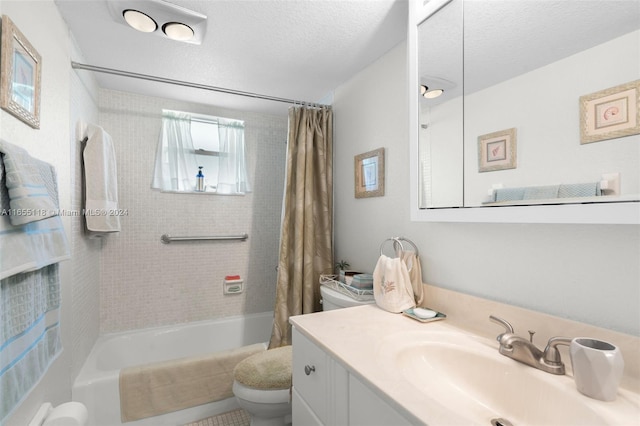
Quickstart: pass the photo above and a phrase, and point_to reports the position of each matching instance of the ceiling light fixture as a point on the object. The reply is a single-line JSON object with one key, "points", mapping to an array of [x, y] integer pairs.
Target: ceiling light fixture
{"points": [[178, 31], [423, 89], [140, 21], [431, 94], [176, 22]]}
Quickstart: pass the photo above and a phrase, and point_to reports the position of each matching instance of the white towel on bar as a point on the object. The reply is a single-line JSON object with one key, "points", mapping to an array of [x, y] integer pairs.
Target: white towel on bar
{"points": [[36, 244], [101, 183]]}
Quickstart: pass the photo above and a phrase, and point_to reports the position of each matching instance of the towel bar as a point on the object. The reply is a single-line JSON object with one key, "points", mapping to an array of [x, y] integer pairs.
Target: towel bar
{"points": [[397, 244], [167, 239]]}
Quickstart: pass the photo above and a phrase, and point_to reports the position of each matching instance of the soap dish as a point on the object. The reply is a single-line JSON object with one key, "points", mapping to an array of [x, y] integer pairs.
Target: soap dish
{"points": [[409, 312]]}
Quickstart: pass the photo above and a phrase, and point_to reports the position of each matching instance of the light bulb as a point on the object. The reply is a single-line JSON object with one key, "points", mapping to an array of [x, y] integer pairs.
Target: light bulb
{"points": [[139, 21], [177, 31]]}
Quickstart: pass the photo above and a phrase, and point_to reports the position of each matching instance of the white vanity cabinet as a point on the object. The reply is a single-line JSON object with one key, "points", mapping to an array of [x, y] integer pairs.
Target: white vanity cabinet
{"points": [[324, 393]]}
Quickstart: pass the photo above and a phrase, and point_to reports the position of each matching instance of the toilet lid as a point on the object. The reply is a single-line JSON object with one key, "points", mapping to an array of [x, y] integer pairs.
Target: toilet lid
{"points": [[270, 369]]}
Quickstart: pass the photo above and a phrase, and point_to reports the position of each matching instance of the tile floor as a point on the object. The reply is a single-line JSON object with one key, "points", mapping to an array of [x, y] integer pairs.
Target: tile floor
{"points": [[237, 417]]}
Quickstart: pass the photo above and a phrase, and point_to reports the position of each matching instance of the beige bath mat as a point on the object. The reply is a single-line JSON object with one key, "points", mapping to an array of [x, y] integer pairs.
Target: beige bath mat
{"points": [[164, 387], [237, 417]]}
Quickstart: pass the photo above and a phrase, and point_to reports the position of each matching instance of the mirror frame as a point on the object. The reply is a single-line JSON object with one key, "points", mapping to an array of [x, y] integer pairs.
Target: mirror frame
{"points": [[587, 213]]}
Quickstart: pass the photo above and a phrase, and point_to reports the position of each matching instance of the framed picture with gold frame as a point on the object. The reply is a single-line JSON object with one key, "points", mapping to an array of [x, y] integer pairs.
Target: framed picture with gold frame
{"points": [[497, 151], [610, 113], [369, 174], [19, 75]]}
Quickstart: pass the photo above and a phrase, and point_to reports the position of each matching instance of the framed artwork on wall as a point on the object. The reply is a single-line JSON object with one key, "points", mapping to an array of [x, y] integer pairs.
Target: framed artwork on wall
{"points": [[369, 174], [497, 151], [610, 113], [19, 75]]}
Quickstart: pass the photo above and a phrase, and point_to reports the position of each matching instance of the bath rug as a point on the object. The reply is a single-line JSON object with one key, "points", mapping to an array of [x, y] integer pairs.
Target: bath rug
{"points": [[163, 387], [237, 417]]}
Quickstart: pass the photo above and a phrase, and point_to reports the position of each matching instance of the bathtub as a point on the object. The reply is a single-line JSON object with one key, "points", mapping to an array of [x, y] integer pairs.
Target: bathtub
{"points": [[97, 383]]}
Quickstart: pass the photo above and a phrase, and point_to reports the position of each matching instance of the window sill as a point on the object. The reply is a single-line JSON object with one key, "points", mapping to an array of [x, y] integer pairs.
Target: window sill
{"points": [[201, 193]]}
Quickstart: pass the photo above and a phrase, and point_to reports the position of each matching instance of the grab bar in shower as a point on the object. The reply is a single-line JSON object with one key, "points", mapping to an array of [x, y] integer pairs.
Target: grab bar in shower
{"points": [[168, 239]]}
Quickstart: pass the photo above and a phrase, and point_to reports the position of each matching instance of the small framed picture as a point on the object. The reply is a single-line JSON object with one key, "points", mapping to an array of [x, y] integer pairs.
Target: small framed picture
{"points": [[497, 151], [369, 174], [610, 113], [19, 75]]}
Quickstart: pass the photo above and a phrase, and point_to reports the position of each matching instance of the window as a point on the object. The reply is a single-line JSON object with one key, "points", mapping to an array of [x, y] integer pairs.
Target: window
{"points": [[190, 141]]}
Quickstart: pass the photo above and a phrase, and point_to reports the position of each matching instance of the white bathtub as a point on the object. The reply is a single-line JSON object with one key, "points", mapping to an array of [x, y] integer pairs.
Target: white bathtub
{"points": [[97, 384]]}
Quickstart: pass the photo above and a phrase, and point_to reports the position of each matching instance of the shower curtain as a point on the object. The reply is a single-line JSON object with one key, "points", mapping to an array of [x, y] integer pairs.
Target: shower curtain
{"points": [[306, 240]]}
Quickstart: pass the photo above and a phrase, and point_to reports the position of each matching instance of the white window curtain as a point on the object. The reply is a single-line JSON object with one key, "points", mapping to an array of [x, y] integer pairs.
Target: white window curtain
{"points": [[232, 172], [176, 166]]}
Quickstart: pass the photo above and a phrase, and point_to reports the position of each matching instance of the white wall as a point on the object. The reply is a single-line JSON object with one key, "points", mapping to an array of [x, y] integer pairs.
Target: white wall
{"points": [[588, 273], [63, 98], [543, 106]]}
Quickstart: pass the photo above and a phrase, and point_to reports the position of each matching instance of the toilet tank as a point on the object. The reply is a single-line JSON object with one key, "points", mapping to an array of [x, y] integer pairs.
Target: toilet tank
{"points": [[332, 299]]}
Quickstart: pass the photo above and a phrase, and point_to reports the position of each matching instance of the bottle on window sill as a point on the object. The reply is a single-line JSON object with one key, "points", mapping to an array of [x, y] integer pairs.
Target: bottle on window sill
{"points": [[200, 180]]}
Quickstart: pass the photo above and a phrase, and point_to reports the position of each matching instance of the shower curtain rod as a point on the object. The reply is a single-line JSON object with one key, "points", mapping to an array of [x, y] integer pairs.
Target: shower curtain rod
{"points": [[79, 66]]}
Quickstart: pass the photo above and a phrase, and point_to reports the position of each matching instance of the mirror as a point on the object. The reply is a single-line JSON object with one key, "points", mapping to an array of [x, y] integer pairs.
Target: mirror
{"points": [[440, 132], [517, 127]]}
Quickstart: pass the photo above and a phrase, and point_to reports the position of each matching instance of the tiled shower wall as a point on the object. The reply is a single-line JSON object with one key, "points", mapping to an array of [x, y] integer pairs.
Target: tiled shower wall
{"points": [[85, 293], [146, 283]]}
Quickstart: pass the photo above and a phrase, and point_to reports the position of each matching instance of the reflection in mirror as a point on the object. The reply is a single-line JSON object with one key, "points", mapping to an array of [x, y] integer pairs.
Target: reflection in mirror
{"points": [[539, 71], [441, 121]]}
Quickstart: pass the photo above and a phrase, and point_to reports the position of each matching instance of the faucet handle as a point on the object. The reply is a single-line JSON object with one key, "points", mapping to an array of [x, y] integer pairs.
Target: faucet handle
{"points": [[551, 354], [508, 328]]}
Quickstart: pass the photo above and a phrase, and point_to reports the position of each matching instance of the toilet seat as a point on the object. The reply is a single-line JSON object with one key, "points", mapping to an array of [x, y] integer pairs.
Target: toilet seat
{"points": [[268, 370]]}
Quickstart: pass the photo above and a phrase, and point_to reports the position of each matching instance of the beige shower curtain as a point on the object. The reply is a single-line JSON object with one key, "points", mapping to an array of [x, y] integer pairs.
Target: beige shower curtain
{"points": [[306, 241]]}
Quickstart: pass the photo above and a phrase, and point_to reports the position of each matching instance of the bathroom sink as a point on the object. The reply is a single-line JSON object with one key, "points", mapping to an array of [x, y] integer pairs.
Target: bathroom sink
{"points": [[467, 374]]}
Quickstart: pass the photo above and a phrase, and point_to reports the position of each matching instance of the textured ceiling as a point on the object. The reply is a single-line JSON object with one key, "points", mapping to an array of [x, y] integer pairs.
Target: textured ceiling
{"points": [[294, 49], [506, 38]]}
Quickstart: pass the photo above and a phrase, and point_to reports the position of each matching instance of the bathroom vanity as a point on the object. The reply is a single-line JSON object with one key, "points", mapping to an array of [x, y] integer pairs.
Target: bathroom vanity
{"points": [[363, 365], [326, 393]]}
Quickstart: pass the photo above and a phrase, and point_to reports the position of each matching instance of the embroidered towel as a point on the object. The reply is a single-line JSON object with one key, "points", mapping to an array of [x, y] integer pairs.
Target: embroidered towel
{"points": [[30, 335], [35, 244], [101, 183], [392, 287], [30, 192]]}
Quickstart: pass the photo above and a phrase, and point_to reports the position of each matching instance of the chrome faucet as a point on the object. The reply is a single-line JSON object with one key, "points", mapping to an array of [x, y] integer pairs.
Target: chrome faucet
{"points": [[523, 350]]}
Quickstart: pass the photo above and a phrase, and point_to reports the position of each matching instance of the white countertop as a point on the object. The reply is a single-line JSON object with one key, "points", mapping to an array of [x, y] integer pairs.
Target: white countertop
{"points": [[355, 337]]}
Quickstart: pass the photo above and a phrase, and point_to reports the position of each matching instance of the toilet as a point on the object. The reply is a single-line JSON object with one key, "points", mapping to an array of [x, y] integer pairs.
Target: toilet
{"points": [[333, 299], [263, 380], [261, 386]]}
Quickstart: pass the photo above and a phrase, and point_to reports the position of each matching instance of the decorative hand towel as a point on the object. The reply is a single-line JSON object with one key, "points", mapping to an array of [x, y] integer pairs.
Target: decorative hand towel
{"points": [[580, 190], [30, 197], [29, 333], [412, 261], [392, 288], [35, 244], [508, 194], [101, 183], [541, 192]]}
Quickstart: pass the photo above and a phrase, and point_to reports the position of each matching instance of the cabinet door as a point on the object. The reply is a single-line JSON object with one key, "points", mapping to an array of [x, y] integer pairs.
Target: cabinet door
{"points": [[310, 374], [368, 409], [302, 414]]}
